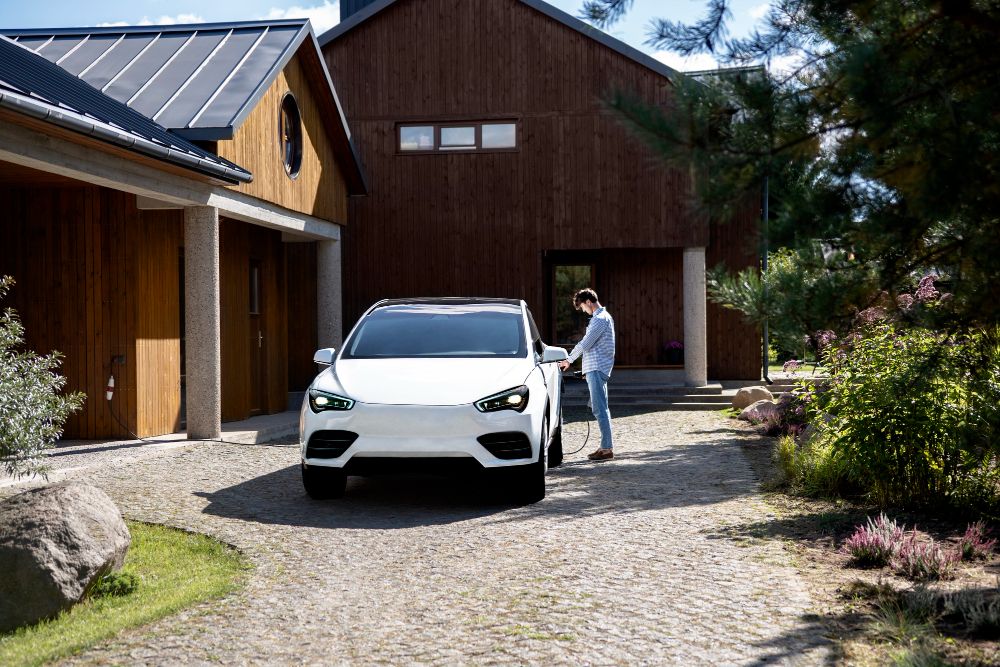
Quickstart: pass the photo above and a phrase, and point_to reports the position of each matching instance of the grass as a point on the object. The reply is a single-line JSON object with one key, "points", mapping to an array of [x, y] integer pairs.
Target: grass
{"points": [[174, 570]]}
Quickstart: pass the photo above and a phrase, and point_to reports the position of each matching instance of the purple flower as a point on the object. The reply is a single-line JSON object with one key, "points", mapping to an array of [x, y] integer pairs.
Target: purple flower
{"points": [[800, 410], [904, 301], [925, 290], [673, 345]]}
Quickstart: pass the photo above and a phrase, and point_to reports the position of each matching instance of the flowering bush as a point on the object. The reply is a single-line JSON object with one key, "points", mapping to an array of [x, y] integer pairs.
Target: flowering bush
{"points": [[913, 425], [974, 543], [673, 345], [924, 561], [876, 544]]}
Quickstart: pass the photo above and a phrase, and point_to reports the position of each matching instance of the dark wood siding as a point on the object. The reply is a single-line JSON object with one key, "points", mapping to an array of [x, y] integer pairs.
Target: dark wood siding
{"points": [[481, 224], [300, 260]]}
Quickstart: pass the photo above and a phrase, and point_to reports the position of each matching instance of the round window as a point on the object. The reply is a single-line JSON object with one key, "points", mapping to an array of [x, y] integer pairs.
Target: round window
{"points": [[290, 127]]}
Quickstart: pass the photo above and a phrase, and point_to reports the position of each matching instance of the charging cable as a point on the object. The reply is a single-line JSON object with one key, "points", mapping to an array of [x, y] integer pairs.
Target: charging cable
{"points": [[579, 374]]}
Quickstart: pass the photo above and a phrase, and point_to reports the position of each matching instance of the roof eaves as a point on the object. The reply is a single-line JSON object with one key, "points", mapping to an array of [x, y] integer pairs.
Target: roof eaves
{"points": [[140, 29], [106, 132], [538, 5]]}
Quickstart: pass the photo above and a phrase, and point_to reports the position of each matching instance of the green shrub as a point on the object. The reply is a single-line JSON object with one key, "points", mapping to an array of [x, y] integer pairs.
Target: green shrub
{"points": [[914, 417], [809, 467], [114, 584]]}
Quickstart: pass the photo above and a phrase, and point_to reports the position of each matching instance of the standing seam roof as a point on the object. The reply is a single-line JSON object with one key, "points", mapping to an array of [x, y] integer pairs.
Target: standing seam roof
{"points": [[199, 81], [34, 87]]}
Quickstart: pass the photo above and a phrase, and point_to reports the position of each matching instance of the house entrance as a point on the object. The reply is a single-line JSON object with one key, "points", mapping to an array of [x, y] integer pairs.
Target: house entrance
{"points": [[569, 324], [255, 347]]}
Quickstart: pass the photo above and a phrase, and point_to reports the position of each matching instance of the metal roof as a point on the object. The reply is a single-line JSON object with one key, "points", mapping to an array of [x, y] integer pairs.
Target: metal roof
{"points": [[35, 87], [604, 38], [201, 81]]}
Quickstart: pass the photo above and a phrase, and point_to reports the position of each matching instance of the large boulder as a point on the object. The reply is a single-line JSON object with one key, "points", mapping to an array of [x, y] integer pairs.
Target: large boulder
{"points": [[761, 408], [749, 395], [55, 542]]}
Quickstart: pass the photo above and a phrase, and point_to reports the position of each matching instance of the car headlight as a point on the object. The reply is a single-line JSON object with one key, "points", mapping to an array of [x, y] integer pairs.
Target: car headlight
{"points": [[512, 399], [323, 400]]}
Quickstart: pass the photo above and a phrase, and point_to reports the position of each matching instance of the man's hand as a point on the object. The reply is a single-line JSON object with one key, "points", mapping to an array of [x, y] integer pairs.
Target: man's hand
{"points": [[563, 365]]}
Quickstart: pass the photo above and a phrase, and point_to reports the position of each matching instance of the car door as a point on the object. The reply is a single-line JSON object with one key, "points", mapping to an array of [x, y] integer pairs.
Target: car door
{"points": [[550, 372]]}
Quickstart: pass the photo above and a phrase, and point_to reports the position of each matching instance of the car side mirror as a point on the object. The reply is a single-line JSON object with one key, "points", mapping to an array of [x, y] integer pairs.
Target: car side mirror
{"points": [[325, 356], [553, 355]]}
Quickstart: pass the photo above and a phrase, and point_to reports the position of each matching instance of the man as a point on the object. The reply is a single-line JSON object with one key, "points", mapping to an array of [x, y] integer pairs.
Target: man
{"points": [[598, 350]]}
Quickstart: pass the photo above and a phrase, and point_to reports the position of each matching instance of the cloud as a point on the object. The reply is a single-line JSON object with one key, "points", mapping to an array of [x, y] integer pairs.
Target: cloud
{"points": [[688, 64], [163, 20], [759, 12], [323, 16]]}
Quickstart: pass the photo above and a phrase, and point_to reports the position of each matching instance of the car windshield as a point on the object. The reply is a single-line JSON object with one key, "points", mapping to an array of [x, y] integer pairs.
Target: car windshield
{"points": [[439, 331]]}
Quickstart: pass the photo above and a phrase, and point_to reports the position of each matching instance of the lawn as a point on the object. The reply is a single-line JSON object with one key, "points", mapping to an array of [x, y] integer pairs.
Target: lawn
{"points": [[175, 570]]}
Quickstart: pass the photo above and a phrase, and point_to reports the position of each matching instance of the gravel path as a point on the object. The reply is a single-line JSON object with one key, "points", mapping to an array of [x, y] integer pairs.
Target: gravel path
{"points": [[622, 563]]}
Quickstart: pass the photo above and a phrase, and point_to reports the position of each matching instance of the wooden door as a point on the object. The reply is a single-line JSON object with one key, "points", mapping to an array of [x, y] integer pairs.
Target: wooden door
{"points": [[256, 342]]}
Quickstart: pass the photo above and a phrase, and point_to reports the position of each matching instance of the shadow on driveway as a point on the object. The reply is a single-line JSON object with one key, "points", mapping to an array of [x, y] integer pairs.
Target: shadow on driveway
{"points": [[685, 476]]}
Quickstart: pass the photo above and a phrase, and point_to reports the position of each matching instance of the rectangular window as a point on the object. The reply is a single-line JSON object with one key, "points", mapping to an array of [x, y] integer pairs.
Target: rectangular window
{"points": [[254, 287], [416, 138], [499, 135], [472, 136], [453, 138]]}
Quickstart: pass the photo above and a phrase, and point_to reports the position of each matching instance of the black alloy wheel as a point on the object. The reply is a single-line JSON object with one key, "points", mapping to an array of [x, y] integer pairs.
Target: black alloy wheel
{"points": [[556, 447], [323, 483], [528, 483]]}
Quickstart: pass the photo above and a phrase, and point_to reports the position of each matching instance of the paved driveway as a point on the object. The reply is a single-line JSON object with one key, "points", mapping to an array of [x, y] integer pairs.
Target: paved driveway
{"points": [[622, 564]]}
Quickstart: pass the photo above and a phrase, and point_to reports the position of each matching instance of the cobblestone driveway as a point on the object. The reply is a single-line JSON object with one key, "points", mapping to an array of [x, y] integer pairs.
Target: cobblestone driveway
{"points": [[620, 565]]}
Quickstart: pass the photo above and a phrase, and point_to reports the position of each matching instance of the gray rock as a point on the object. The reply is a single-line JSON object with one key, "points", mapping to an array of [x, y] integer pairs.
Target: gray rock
{"points": [[761, 407], [55, 541], [749, 395]]}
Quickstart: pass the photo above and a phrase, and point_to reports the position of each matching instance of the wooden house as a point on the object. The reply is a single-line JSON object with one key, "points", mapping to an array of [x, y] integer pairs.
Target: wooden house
{"points": [[495, 170], [171, 203]]}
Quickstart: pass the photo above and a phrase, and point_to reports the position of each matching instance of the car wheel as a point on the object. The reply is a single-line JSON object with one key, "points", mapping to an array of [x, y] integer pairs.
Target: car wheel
{"points": [[322, 483], [556, 448], [528, 485]]}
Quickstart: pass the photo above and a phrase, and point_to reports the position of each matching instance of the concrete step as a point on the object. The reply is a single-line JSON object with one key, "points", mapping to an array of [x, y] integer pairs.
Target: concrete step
{"points": [[653, 405], [580, 388]]}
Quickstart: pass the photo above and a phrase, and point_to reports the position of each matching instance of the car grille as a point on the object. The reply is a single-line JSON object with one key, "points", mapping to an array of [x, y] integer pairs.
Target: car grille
{"points": [[507, 445], [329, 444]]}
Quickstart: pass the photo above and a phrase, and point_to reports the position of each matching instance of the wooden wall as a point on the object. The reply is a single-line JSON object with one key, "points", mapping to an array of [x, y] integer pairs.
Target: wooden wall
{"points": [[98, 278], [303, 340], [735, 349], [239, 243], [89, 285], [480, 224], [319, 189]]}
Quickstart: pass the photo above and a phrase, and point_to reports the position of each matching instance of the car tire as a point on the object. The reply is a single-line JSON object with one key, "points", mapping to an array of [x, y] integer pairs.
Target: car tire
{"points": [[528, 485], [323, 483], [556, 448]]}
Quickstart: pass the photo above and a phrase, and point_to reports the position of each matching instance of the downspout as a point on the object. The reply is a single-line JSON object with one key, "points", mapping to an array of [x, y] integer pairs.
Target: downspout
{"points": [[763, 263]]}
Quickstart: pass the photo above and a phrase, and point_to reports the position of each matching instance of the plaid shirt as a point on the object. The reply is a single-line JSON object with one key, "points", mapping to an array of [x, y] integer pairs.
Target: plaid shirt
{"points": [[598, 345]]}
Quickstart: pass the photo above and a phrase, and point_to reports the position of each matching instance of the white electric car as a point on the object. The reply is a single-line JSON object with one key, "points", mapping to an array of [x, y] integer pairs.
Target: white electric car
{"points": [[436, 385]]}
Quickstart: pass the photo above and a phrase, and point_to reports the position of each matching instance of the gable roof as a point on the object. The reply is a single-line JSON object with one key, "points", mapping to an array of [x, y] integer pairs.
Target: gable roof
{"points": [[32, 86], [545, 8], [201, 81]]}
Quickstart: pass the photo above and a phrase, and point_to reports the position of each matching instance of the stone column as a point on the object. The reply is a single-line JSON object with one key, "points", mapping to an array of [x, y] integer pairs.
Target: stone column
{"points": [[329, 305], [695, 322], [202, 323]]}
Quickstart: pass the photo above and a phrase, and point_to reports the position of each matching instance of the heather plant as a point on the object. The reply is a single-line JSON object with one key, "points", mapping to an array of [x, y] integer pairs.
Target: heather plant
{"points": [[924, 561], [974, 544], [32, 411], [876, 544]]}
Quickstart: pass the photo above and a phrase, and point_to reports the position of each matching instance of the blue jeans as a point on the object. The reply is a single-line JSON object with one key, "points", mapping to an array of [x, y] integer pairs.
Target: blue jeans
{"points": [[597, 382]]}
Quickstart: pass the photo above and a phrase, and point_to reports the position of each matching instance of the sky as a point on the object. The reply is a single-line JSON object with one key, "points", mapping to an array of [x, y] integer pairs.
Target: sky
{"points": [[325, 14]]}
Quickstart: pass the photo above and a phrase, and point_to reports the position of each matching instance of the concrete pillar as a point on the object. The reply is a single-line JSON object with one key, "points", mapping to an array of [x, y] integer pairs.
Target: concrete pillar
{"points": [[695, 319], [202, 323], [329, 304]]}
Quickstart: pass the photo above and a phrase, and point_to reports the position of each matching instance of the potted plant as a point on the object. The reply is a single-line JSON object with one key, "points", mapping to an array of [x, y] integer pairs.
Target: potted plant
{"points": [[675, 353]]}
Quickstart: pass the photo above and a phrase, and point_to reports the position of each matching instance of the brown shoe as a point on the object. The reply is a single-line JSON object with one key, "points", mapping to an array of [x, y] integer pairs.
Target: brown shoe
{"points": [[601, 455]]}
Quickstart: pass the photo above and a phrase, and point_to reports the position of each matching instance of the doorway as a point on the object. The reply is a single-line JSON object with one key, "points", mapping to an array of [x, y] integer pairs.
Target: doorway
{"points": [[568, 324], [255, 343]]}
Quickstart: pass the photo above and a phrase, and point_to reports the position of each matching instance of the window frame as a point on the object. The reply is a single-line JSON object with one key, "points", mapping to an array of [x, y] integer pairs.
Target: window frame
{"points": [[476, 122]]}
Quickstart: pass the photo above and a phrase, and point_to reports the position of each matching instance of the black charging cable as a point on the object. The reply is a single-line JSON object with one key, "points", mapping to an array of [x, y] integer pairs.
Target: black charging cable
{"points": [[579, 374]]}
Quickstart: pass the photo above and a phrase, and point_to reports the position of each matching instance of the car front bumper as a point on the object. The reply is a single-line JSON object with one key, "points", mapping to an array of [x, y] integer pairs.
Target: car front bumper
{"points": [[417, 431]]}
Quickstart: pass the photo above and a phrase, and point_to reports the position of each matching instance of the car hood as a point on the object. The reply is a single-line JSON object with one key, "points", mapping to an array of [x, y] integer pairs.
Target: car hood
{"points": [[423, 381]]}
